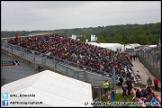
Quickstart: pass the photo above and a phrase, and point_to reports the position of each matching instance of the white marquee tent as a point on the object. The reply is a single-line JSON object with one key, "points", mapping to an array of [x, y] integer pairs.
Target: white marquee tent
{"points": [[132, 46], [112, 46], [50, 88], [94, 43]]}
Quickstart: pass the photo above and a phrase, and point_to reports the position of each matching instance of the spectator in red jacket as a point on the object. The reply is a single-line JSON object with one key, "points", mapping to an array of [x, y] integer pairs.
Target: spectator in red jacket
{"points": [[156, 84], [16, 36]]}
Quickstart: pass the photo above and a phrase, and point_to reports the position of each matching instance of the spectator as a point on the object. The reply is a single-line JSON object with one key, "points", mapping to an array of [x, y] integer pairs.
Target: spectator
{"points": [[153, 99], [121, 81], [142, 93], [16, 37], [132, 79], [149, 81], [106, 86], [156, 84], [138, 94], [147, 100], [145, 93], [149, 90], [112, 96], [124, 87], [111, 72], [109, 97], [129, 85], [158, 104]]}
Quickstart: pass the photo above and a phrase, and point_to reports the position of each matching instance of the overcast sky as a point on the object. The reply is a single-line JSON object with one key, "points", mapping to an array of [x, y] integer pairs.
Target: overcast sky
{"points": [[53, 15]]}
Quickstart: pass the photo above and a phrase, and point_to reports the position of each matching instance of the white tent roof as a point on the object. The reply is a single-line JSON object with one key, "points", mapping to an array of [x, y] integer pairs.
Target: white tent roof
{"points": [[112, 46], [50, 88], [152, 46], [132, 46], [129, 47], [94, 43]]}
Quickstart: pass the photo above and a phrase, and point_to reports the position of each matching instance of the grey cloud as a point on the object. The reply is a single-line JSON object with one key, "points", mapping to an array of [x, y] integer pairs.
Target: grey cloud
{"points": [[58, 15]]}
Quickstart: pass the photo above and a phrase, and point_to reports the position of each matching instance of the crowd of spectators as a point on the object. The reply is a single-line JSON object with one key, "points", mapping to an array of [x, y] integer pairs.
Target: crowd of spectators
{"points": [[83, 54], [86, 55], [145, 95]]}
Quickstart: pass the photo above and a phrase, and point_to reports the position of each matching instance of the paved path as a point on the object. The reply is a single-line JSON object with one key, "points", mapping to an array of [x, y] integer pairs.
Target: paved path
{"points": [[144, 73]]}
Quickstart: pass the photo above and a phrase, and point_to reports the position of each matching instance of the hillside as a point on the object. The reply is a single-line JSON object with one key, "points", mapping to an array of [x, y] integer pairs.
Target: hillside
{"points": [[129, 33]]}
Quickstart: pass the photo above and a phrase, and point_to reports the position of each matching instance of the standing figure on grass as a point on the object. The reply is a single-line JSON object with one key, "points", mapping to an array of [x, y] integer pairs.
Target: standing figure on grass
{"points": [[106, 86], [109, 97], [124, 88], [129, 85], [121, 81], [112, 96]]}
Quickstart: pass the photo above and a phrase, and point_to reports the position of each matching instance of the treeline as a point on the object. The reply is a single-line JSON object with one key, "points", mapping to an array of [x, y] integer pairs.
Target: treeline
{"points": [[130, 33]]}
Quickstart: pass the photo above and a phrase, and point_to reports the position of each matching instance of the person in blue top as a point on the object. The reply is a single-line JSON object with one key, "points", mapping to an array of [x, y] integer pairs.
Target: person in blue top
{"points": [[112, 96], [111, 72], [153, 100]]}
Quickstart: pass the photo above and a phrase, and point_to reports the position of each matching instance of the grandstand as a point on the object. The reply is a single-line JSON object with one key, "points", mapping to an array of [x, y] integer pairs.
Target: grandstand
{"points": [[43, 62]]}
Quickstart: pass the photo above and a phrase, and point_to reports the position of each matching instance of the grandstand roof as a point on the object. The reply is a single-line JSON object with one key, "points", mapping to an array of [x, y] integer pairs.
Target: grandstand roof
{"points": [[51, 88]]}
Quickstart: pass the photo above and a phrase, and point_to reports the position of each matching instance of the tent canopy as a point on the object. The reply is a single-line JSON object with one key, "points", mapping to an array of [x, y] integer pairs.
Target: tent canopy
{"points": [[51, 89], [132, 46], [112, 46]]}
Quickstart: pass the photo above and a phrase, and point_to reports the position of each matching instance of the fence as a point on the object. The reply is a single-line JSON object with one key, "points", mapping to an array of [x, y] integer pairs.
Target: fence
{"points": [[83, 73], [98, 92], [151, 58]]}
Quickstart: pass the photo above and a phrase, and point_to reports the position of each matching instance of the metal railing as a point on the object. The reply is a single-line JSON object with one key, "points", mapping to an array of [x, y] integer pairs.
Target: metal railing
{"points": [[68, 68], [36, 54], [151, 59]]}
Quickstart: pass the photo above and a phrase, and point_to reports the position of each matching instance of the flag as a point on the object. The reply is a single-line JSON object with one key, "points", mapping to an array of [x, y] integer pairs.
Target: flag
{"points": [[73, 37], [96, 38], [93, 37]]}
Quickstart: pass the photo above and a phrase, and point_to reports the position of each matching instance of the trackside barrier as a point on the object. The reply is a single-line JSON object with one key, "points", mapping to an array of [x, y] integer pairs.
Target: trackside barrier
{"points": [[68, 68]]}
